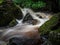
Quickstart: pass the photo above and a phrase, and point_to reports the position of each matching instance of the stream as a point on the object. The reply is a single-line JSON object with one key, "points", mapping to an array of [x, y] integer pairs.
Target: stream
{"points": [[25, 28]]}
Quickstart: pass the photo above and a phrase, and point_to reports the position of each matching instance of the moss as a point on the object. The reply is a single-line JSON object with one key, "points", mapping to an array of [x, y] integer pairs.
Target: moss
{"points": [[51, 29], [49, 24], [12, 23]]}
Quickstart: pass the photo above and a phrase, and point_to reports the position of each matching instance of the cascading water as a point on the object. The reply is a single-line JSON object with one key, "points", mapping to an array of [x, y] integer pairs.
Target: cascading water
{"points": [[27, 25], [41, 21]]}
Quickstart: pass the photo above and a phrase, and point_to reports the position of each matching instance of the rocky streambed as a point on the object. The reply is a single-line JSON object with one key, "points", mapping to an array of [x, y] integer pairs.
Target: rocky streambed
{"points": [[30, 28]]}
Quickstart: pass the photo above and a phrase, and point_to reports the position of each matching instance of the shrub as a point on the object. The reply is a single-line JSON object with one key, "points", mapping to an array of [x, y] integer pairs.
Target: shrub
{"points": [[30, 3]]}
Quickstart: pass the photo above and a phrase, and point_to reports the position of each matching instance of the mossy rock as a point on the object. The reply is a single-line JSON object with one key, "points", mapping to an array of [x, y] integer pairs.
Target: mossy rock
{"points": [[13, 23], [54, 38], [47, 27], [8, 11], [51, 29]]}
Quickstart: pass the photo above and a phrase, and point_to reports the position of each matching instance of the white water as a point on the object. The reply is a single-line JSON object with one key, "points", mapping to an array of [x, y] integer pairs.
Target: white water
{"points": [[23, 28], [41, 21]]}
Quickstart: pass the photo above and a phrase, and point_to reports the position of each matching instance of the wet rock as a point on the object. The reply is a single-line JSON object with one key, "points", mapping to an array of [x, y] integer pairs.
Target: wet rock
{"points": [[24, 41], [54, 38], [39, 16], [34, 22], [18, 13], [46, 41], [29, 19]]}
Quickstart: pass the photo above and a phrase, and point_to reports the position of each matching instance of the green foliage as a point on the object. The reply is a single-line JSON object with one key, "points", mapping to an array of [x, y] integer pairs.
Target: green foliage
{"points": [[1, 1], [39, 4], [30, 3]]}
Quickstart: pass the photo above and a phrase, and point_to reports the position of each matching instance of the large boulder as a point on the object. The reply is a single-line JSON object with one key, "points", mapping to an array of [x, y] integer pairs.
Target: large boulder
{"points": [[51, 30], [9, 12], [29, 19], [50, 24]]}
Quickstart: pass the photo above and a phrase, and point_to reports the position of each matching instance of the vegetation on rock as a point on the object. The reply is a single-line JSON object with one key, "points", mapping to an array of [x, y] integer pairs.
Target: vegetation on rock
{"points": [[9, 12], [52, 29], [12, 23]]}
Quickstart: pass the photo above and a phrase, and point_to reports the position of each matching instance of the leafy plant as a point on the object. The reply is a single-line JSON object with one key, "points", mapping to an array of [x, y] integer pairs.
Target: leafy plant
{"points": [[1, 1], [30, 3]]}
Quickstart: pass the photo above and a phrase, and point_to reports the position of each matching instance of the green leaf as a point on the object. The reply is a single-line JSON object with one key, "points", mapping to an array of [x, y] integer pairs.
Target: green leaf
{"points": [[1, 1]]}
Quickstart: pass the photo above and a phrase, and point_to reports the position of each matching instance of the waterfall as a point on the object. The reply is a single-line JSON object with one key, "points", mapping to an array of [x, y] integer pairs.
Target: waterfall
{"points": [[41, 21], [23, 28]]}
